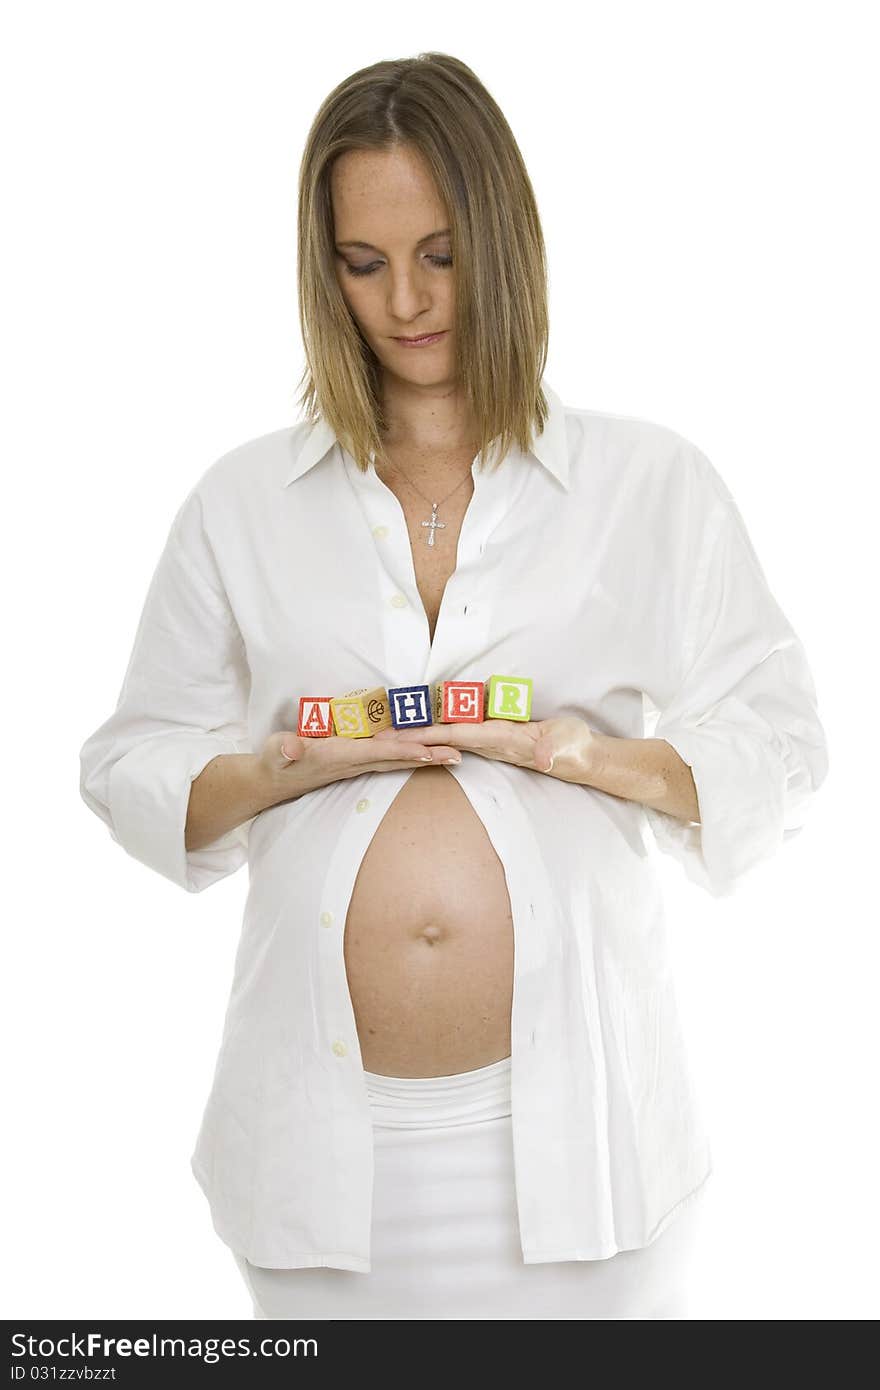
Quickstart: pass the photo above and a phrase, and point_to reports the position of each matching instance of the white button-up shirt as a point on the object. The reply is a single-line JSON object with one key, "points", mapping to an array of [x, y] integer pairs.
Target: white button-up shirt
{"points": [[611, 566]]}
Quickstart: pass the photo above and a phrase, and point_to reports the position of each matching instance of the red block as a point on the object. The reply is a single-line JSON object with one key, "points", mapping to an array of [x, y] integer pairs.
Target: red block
{"points": [[315, 717], [459, 702]]}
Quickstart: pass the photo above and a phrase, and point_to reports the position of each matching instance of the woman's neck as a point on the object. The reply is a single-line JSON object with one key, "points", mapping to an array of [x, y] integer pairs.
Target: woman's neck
{"points": [[426, 422]]}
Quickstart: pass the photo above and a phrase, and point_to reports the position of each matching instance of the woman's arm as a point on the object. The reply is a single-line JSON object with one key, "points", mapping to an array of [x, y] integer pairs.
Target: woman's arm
{"points": [[231, 789], [648, 770], [235, 787]]}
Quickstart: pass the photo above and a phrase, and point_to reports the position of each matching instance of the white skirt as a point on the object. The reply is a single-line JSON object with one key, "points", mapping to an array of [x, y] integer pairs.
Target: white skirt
{"points": [[445, 1233]]}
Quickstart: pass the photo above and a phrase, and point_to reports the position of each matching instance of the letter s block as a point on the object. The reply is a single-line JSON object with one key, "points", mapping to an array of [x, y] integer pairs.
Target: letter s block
{"points": [[361, 713]]}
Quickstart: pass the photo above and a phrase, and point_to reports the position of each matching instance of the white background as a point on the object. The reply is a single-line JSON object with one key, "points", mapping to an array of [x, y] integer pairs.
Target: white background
{"points": [[705, 174]]}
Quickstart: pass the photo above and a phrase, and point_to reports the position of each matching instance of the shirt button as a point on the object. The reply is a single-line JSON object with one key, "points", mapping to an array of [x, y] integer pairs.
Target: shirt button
{"points": [[362, 804], [326, 919], [399, 601], [380, 531], [339, 1048]]}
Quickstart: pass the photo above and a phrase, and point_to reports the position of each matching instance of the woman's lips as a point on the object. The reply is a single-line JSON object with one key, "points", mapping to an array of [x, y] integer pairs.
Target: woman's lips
{"points": [[421, 342]]}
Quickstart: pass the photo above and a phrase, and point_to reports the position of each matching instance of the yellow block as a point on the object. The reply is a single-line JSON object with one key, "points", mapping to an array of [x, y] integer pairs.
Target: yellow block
{"points": [[361, 713]]}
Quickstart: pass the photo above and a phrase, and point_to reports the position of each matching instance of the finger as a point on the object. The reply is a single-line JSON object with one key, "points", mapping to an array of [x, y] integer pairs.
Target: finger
{"points": [[401, 749], [426, 733], [544, 759], [413, 751], [449, 735], [543, 754], [441, 759]]}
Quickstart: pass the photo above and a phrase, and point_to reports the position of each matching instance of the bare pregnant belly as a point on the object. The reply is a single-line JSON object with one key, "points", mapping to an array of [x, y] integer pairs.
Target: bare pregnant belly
{"points": [[429, 937]]}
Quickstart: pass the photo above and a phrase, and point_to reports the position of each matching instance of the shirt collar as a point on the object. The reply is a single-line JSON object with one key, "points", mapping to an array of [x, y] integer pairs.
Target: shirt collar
{"points": [[550, 447]]}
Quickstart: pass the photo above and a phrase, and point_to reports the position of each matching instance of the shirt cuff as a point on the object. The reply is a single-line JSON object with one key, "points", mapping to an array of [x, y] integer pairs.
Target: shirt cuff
{"points": [[149, 790], [741, 787]]}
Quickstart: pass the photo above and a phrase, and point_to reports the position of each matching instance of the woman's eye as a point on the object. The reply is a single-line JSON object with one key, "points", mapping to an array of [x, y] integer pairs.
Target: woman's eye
{"points": [[441, 261]]}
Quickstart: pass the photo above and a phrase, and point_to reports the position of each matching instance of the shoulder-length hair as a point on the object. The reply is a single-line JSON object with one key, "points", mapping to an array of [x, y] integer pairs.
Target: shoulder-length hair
{"points": [[437, 105]]}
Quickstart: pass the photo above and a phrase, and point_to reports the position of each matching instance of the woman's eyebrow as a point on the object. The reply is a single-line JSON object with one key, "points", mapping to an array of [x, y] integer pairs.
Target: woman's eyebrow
{"points": [[444, 231]]}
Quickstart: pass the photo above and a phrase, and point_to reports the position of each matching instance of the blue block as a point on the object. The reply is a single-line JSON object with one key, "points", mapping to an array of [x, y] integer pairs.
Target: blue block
{"points": [[410, 706]]}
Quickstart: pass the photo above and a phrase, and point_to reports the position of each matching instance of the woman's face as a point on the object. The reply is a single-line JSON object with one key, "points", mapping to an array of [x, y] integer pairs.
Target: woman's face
{"points": [[401, 282]]}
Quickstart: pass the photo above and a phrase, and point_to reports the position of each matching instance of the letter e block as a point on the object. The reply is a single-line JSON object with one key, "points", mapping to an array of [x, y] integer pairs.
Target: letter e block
{"points": [[459, 702]]}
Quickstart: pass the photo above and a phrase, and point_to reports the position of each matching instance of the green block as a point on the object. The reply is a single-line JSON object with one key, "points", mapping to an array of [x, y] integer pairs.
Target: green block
{"points": [[508, 697]]}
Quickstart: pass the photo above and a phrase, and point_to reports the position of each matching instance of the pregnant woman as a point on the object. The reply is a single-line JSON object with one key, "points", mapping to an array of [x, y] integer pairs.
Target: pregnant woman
{"points": [[452, 1081]]}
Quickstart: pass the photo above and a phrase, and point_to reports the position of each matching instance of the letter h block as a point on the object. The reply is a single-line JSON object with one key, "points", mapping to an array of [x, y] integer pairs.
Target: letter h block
{"points": [[410, 706]]}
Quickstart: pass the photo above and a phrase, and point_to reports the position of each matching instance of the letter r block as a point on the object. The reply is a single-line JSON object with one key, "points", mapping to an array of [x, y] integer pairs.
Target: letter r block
{"points": [[509, 697]]}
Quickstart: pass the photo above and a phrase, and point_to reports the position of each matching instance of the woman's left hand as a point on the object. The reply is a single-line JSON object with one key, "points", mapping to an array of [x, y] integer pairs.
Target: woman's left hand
{"points": [[564, 747]]}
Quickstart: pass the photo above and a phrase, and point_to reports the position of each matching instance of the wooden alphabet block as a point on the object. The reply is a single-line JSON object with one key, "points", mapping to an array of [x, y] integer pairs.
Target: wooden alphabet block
{"points": [[315, 718], [410, 706], [459, 702], [509, 697], [361, 713]]}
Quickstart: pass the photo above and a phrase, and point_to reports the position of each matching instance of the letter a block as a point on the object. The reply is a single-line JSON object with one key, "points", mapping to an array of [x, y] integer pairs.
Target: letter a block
{"points": [[459, 702], [315, 718], [410, 706], [361, 713], [508, 697]]}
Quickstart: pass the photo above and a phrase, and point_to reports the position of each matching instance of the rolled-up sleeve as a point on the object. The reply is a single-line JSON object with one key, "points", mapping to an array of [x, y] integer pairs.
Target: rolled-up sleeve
{"points": [[183, 702], [744, 713]]}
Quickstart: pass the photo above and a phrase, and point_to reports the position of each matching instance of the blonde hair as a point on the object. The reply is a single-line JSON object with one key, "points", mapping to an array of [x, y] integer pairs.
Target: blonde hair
{"points": [[435, 104]]}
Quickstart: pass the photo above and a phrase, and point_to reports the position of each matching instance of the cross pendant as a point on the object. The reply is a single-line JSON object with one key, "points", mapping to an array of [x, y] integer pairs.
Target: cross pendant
{"points": [[433, 523]]}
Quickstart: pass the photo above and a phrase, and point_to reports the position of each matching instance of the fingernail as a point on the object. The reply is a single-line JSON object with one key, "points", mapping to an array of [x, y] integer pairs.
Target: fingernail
{"points": [[426, 758], [450, 760]]}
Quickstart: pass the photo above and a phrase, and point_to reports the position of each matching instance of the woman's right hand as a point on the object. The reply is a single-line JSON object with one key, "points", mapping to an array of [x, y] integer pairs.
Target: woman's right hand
{"points": [[294, 765]]}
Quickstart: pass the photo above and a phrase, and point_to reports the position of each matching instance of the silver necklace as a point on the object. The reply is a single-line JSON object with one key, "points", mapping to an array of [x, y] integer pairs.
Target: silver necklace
{"points": [[433, 525]]}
